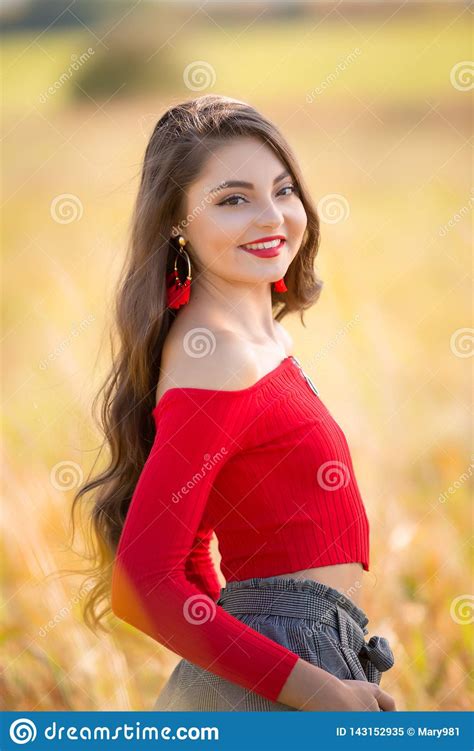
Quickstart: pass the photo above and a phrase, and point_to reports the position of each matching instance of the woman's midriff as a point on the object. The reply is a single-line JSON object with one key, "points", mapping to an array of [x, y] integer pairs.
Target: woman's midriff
{"points": [[346, 577]]}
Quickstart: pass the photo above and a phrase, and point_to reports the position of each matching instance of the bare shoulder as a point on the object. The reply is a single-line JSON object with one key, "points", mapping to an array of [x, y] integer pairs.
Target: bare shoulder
{"points": [[285, 337], [206, 359]]}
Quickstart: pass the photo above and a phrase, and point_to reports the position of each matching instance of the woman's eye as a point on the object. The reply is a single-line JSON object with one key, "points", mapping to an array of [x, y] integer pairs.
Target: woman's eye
{"points": [[290, 187], [235, 196], [230, 198]]}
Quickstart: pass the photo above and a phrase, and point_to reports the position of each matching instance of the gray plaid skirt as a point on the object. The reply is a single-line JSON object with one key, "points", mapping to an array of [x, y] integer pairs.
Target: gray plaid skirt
{"points": [[317, 622]]}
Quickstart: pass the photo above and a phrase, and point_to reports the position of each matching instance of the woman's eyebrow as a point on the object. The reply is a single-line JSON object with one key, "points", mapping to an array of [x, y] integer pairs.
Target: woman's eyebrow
{"points": [[242, 184]]}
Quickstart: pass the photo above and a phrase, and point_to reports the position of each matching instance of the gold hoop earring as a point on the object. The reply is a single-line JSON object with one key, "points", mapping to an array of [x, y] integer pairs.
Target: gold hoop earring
{"points": [[178, 292]]}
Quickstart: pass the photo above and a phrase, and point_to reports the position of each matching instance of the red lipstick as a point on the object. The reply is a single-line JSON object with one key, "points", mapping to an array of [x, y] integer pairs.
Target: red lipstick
{"points": [[277, 240]]}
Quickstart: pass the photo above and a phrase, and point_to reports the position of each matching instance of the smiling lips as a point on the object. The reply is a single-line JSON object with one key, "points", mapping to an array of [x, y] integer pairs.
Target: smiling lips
{"points": [[266, 247]]}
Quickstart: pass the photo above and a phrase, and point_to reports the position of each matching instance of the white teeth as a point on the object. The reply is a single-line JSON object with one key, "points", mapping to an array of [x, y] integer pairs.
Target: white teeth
{"points": [[262, 246]]}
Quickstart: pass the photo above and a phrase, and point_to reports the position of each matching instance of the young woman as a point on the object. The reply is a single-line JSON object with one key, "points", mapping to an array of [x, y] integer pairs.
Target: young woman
{"points": [[214, 426]]}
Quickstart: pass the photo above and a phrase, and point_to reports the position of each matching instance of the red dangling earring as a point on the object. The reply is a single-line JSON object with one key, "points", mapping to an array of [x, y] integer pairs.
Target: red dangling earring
{"points": [[280, 286], [178, 292]]}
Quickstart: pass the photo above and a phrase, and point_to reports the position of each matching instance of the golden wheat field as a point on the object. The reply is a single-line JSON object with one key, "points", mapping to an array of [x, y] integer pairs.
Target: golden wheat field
{"points": [[376, 108]]}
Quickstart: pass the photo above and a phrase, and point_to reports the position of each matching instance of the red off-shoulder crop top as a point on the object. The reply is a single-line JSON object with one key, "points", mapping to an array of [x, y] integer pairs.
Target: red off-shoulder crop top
{"points": [[269, 470]]}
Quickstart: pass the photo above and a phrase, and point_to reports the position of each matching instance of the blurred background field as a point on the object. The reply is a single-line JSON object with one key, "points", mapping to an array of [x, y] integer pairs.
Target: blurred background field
{"points": [[375, 99]]}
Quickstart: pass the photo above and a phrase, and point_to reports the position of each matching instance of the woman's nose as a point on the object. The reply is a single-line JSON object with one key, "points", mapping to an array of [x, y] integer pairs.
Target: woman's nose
{"points": [[270, 215]]}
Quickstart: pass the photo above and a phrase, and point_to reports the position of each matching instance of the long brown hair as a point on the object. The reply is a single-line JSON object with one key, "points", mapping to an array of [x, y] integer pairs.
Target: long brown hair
{"points": [[176, 153]]}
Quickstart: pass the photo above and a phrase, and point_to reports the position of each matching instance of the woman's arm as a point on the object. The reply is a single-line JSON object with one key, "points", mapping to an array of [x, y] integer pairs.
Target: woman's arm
{"points": [[200, 568], [310, 688], [195, 437]]}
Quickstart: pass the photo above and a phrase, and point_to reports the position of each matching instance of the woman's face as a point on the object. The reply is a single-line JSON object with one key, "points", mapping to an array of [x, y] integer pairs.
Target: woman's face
{"points": [[219, 220]]}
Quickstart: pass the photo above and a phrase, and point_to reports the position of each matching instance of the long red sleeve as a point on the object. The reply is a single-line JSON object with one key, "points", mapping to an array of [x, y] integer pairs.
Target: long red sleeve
{"points": [[199, 567], [150, 589]]}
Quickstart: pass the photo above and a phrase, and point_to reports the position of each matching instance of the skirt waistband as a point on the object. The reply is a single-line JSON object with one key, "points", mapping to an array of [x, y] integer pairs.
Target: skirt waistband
{"points": [[297, 598], [309, 599]]}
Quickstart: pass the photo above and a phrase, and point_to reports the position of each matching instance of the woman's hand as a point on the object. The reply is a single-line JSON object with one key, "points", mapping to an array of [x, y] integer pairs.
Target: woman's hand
{"points": [[351, 696], [309, 688]]}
